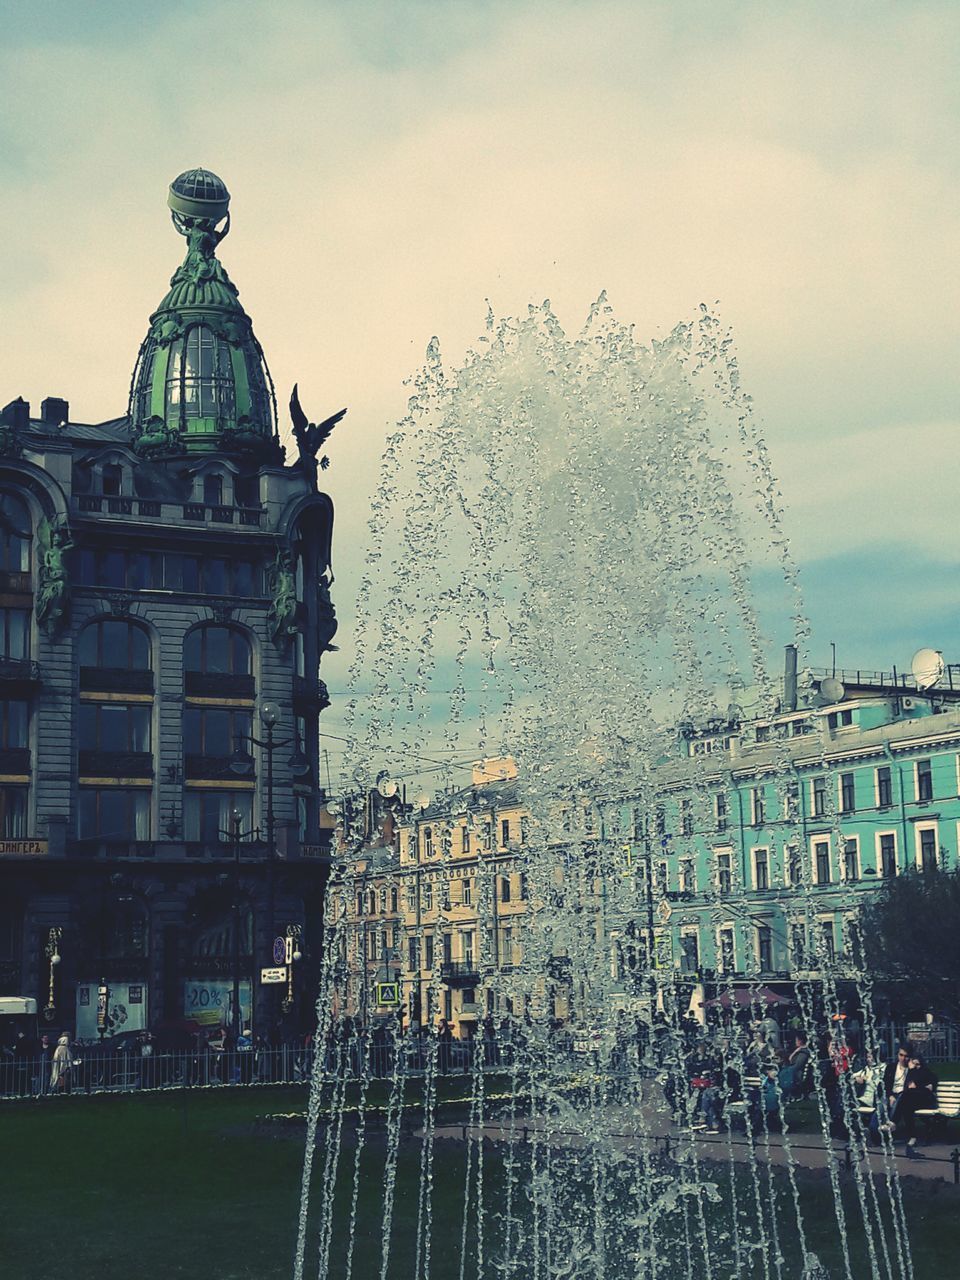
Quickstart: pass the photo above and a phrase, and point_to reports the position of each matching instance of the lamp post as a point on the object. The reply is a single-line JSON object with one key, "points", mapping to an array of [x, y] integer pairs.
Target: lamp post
{"points": [[294, 955], [52, 951], [242, 762], [235, 835]]}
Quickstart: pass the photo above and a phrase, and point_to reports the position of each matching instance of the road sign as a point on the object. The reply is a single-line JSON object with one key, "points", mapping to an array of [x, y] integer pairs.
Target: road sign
{"points": [[273, 975], [388, 993], [279, 951]]}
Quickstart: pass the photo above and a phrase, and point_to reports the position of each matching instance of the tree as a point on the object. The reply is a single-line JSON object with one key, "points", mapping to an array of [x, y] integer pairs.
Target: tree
{"points": [[910, 937]]}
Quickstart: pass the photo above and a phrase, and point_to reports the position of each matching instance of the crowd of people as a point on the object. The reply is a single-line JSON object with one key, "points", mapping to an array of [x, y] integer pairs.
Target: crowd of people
{"points": [[760, 1069]]}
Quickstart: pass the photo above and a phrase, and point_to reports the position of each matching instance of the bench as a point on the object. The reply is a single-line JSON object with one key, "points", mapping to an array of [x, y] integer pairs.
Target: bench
{"points": [[948, 1104]]}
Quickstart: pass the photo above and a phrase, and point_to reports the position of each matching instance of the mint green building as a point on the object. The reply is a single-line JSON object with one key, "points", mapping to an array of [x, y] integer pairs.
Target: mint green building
{"points": [[767, 836]]}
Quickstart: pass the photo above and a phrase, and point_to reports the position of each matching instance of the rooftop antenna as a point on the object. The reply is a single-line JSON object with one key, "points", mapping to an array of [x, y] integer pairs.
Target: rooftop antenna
{"points": [[927, 667], [833, 650]]}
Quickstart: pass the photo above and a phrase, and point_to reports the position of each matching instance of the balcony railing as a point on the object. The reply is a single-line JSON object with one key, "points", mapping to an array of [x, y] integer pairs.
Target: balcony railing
{"points": [[311, 692], [218, 684], [19, 671], [116, 764], [460, 973], [115, 680], [93, 503], [197, 765]]}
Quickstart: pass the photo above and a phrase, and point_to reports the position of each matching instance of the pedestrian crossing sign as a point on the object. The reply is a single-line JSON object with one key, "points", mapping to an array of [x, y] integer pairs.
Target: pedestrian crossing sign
{"points": [[388, 993]]}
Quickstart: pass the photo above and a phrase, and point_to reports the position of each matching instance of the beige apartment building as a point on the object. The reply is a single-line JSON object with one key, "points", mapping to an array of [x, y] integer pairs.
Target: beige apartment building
{"points": [[432, 906]]}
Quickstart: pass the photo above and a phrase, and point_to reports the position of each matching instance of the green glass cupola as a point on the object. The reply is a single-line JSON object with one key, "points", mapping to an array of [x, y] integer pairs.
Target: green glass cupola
{"points": [[201, 383]]}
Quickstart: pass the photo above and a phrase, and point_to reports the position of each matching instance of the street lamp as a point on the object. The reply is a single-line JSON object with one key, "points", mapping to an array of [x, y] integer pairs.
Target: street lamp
{"points": [[294, 955], [52, 950], [235, 835], [242, 762]]}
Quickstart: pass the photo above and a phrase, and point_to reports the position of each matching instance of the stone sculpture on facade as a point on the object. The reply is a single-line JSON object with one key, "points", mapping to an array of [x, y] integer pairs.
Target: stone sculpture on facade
{"points": [[53, 542], [283, 611]]}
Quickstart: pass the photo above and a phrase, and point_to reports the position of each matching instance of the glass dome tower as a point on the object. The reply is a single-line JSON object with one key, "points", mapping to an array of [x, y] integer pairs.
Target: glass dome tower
{"points": [[201, 383]]}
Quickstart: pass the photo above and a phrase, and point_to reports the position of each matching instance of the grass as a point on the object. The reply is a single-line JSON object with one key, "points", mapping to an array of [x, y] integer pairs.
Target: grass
{"points": [[187, 1185]]}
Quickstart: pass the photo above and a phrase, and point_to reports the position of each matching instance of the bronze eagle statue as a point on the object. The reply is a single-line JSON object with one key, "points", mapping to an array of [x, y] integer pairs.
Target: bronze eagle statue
{"points": [[310, 437]]}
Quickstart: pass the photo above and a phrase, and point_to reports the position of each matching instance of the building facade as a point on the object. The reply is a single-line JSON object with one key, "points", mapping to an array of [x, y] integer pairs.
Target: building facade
{"points": [[749, 862], [165, 606]]}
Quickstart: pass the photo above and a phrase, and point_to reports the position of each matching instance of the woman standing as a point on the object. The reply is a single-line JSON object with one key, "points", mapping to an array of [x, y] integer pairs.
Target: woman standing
{"points": [[62, 1068]]}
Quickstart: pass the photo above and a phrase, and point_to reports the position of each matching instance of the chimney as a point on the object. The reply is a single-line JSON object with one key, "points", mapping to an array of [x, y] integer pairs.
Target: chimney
{"points": [[54, 411], [16, 414], [790, 679]]}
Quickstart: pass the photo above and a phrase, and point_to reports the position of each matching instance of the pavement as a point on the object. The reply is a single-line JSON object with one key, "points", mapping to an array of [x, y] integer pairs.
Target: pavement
{"points": [[805, 1150]]}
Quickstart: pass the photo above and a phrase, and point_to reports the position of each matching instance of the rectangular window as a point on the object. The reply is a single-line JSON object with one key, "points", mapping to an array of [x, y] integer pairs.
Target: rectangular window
{"points": [[888, 855], [215, 577], [928, 849], [924, 781], [660, 820], [428, 952], [394, 901], [427, 895], [360, 903], [761, 868], [14, 633], [724, 873], [448, 948], [884, 787], [114, 726], [689, 953], [504, 831], [851, 859], [113, 813], [506, 946], [819, 797], [413, 954], [798, 945], [467, 893], [208, 815], [13, 724], [688, 881], [727, 958], [686, 817], [794, 866], [765, 948], [821, 855], [848, 801], [504, 888], [215, 732], [466, 944], [13, 813], [720, 802], [758, 806], [792, 801], [245, 581], [829, 940]]}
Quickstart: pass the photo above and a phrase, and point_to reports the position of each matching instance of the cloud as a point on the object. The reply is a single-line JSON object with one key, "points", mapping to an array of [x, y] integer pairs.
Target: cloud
{"points": [[392, 166]]}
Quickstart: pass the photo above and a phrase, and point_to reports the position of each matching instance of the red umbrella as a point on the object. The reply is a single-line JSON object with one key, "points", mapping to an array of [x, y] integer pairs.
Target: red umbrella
{"points": [[746, 997]]}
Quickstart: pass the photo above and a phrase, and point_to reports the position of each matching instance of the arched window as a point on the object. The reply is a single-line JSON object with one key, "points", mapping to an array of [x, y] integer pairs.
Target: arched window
{"points": [[15, 534], [111, 479], [199, 377], [115, 643], [217, 650]]}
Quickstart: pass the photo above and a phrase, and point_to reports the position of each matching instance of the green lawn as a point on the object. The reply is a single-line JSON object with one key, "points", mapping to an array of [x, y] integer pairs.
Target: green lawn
{"points": [[185, 1184]]}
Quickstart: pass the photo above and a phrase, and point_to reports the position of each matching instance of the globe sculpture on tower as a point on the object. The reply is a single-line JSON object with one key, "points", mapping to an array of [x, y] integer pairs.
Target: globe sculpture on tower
{"points": [[201, 383]]}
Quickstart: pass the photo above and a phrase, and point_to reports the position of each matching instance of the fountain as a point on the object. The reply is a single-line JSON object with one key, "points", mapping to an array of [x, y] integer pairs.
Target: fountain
{"points": [[567, 545]]}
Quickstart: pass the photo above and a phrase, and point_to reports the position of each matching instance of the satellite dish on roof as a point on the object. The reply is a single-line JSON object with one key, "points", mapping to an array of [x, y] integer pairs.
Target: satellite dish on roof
{"points": [[927, 667], [832, 689]]}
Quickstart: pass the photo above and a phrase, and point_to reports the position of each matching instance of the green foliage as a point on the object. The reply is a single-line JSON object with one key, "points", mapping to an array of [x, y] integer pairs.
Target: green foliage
{"points": [[911, 941]]}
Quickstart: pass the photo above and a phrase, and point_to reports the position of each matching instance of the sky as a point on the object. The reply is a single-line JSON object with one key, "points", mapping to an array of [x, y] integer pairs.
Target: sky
{"points": [[393, 165]]}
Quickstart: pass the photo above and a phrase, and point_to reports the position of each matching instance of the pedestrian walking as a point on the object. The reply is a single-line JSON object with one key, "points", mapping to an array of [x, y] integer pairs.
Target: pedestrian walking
{"points": [[61, 1070]]}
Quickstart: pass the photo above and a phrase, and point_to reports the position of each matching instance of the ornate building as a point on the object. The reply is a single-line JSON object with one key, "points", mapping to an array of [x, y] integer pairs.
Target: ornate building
{"points": [[164, 605]]}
